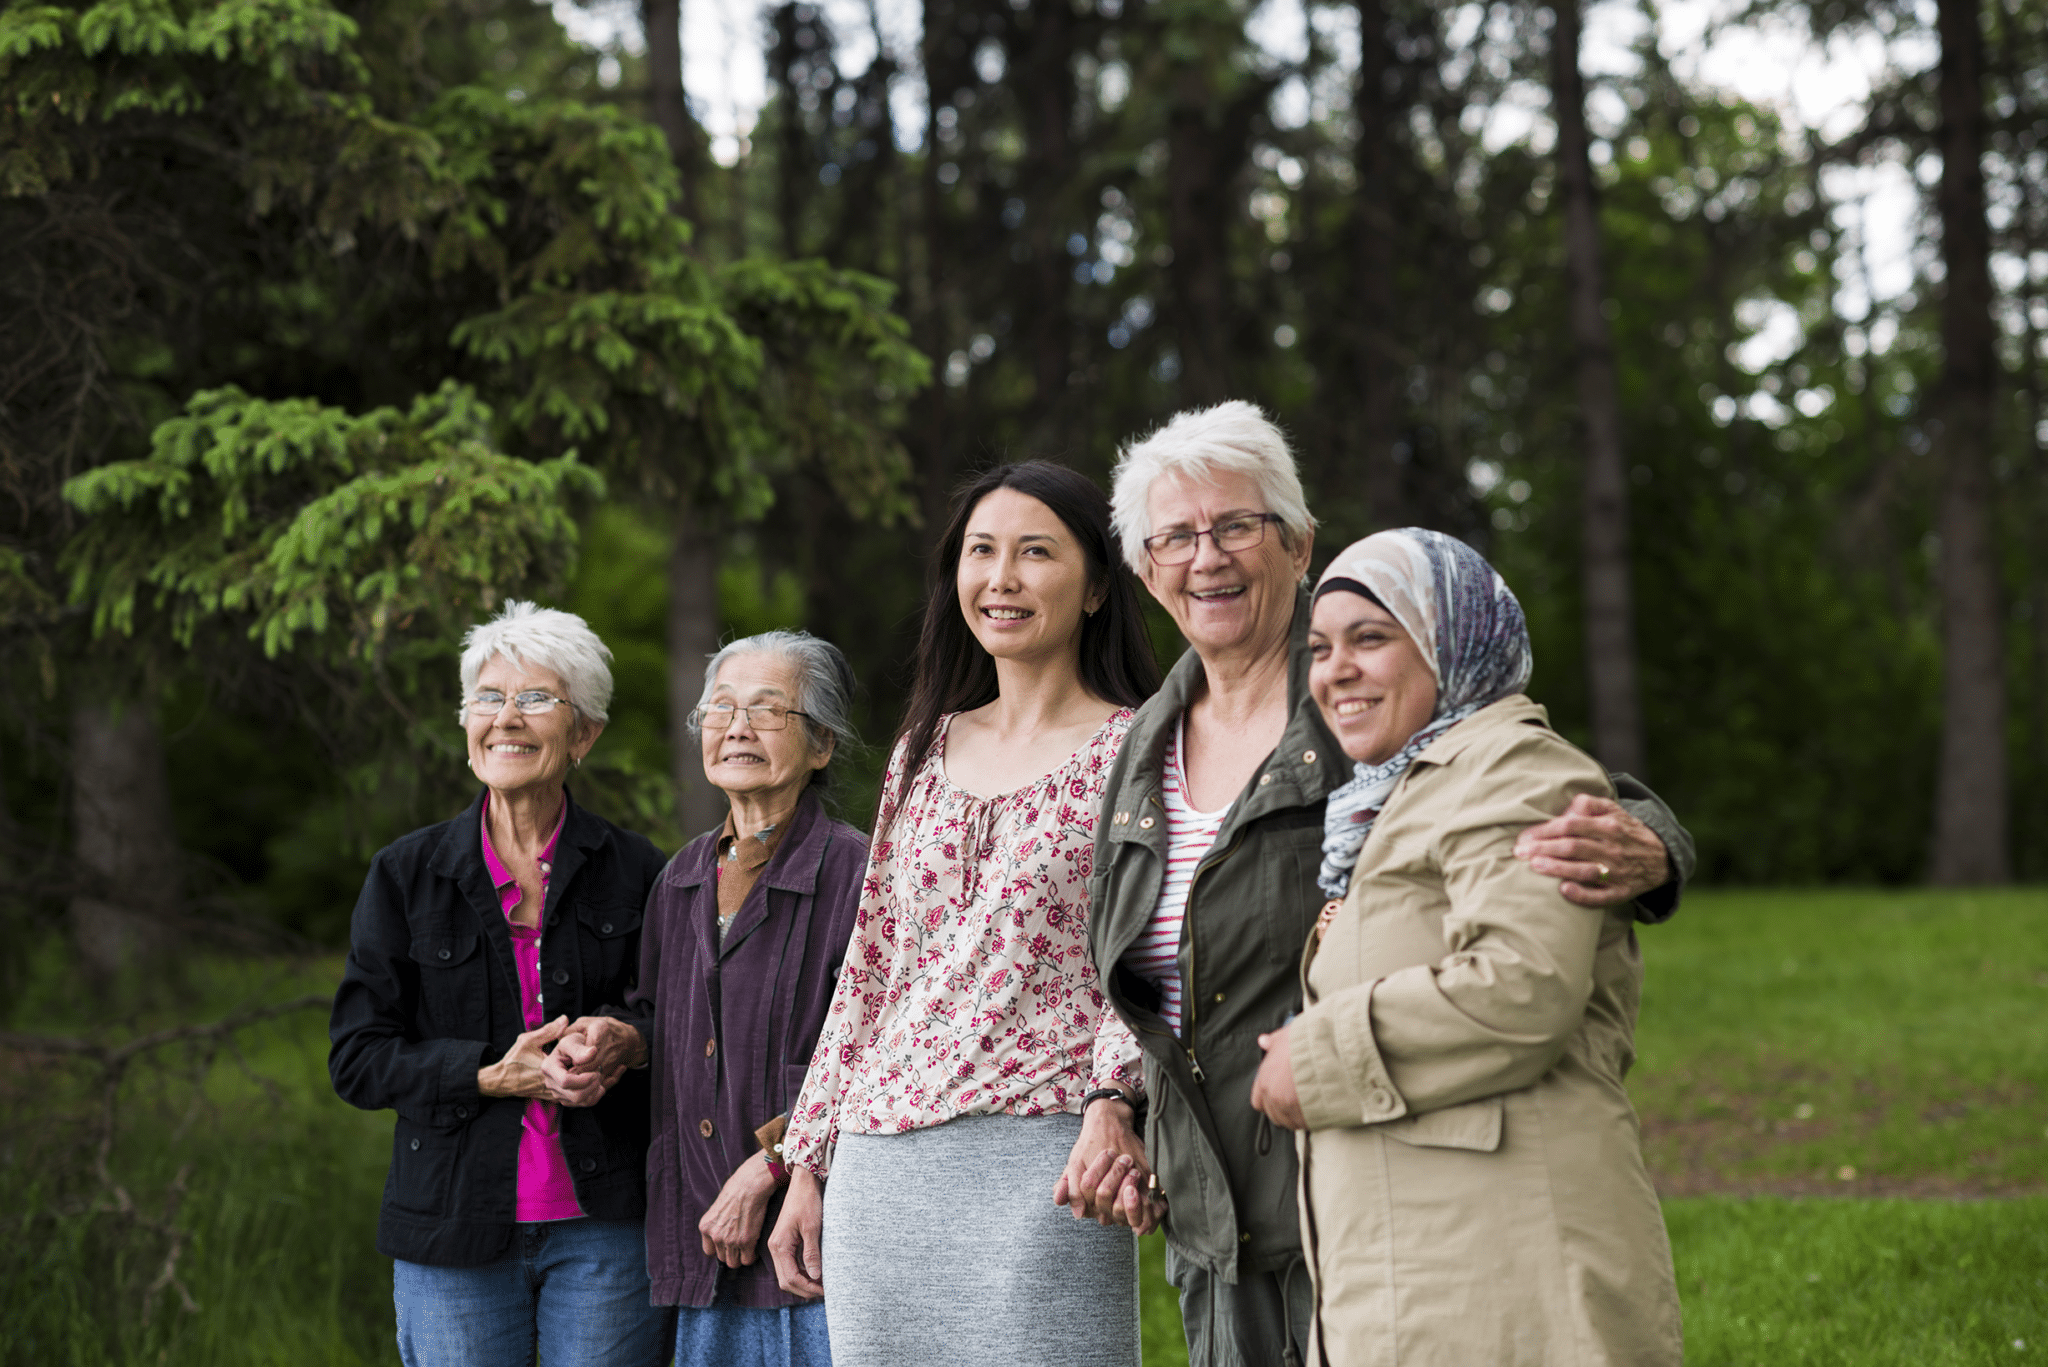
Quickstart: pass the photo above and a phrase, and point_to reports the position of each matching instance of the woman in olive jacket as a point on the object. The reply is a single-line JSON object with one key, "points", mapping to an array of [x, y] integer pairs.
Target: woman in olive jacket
{"points": [[513, 1222], [1212, 517]]}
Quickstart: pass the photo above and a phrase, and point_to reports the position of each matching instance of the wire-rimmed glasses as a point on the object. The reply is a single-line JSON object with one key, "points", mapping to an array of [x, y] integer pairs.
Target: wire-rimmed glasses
{"points": [[1240, 532], [762, 716], [489, 702]]}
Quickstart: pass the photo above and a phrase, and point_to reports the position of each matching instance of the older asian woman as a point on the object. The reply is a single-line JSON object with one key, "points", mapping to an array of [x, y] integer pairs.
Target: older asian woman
{"points": [[745, 934], [1473, 1187], [514, 1225], [1205, 886]]}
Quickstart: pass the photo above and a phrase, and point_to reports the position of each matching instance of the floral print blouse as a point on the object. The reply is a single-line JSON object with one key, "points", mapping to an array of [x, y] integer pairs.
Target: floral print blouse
{"points": [[967, 987]]}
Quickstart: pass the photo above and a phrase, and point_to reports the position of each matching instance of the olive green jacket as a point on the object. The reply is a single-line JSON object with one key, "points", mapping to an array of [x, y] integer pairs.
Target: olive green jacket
{"points": [[1229, 1181]]}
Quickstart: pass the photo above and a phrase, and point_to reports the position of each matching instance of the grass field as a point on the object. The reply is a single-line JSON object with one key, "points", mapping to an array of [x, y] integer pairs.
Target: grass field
{"points": [[1911, 1024]]}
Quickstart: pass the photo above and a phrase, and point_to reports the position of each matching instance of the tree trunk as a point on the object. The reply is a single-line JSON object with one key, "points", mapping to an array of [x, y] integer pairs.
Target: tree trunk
{"points": [[1609, 624], [1970, 785], [1373, 237], [1047, 90], [1199, 215], [946, 67], [693, 630], [662, 20], [121, 828]]}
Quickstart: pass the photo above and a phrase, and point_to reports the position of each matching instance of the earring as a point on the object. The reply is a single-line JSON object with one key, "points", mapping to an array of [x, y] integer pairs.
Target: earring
{"points": [[577, 762]]}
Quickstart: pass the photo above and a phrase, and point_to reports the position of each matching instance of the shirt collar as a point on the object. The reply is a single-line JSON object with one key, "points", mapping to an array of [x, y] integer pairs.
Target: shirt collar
{"points": [[495, 867]]}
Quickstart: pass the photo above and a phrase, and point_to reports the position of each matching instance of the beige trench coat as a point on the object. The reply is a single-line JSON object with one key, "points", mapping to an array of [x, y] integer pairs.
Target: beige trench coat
{"points": [[1473, 1190]]}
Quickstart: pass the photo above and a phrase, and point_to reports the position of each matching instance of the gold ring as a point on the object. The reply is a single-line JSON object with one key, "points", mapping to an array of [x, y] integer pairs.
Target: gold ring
{"points": [[1604, 872]]}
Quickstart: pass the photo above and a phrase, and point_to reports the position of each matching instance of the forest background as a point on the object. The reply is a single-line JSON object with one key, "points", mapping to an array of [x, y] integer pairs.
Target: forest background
{"points": [[325, 327], [328, 325]]}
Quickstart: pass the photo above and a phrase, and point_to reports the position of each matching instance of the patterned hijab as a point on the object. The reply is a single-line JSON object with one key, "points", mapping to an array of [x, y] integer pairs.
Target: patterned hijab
{"points": [[1468, 626]]}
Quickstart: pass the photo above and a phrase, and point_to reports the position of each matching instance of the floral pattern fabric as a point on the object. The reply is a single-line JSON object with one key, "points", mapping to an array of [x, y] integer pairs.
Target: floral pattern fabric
{"points": [[967, 988]]}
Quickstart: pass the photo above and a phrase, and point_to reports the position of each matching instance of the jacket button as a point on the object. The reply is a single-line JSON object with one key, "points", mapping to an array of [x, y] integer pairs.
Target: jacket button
{"points": [[415, 1146], [462, 1112], [1379, 1100], [704, 1128], [1308, 757], [447, 954], [605, 929], [710, 1047], [561, 977], [1264, 779], [1219, 996], [589, 1165], [1146, 824], [1245, 1237]]}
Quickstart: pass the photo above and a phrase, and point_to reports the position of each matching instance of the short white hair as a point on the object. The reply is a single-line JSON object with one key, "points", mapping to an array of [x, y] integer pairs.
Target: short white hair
{"points": [[527, 633], [1234, 437]]}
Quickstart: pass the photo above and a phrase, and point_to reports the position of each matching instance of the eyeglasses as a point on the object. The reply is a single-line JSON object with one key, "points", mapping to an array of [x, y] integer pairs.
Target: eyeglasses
{"points": [[761, 716], [1239, 533], [531, 703]]}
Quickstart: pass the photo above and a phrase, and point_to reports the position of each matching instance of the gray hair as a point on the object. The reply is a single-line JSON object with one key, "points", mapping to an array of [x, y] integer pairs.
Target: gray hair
{"points": [[824, 685], [527, 633], [1233, 437]]}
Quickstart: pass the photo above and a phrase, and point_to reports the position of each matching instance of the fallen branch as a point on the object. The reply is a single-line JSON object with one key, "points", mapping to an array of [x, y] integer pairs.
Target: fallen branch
{"points": [[112, 1061]]}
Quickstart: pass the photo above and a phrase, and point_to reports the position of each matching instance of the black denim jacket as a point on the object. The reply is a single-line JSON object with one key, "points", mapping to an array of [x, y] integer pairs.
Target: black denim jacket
{"points": [[431, 993]]}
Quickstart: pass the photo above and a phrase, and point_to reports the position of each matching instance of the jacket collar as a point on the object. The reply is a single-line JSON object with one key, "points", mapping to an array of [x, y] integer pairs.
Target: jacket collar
{"points": [[792, 868], [461, 855], [1515, 709]]}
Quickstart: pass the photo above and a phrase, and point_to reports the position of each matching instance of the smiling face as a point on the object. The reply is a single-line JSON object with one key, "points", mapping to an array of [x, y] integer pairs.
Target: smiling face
{"points": [[1223, 601], [1368, 677], [511, 751], [770, 767], [1023, 578]]}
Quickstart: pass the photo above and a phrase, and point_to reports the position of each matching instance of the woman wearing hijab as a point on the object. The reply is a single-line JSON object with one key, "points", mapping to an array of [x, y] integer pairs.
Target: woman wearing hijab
{"points": [[1472, 1183]]}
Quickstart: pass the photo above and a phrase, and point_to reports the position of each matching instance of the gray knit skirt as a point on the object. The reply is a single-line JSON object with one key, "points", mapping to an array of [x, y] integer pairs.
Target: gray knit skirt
{"points": [[943, 1246]]}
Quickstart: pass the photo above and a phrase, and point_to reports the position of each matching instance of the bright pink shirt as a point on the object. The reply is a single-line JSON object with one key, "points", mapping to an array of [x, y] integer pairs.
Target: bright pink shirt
{"points": [[546, 1191]]}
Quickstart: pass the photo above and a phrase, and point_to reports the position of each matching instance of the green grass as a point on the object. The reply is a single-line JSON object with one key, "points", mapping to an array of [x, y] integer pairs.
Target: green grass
{"points": [[1786, 1037], [1912, 1023]]}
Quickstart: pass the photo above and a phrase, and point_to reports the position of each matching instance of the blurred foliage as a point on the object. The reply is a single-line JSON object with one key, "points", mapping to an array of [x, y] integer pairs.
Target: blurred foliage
{"points": [[275, 236]]}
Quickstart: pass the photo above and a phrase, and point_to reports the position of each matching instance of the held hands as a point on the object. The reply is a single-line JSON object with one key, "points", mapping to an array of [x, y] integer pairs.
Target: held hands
{"points": [[732, 1227], [520, 1072], [798, 1243], [1109, 1186], [1273, 1092], [1605, 856], [593, 1053]]}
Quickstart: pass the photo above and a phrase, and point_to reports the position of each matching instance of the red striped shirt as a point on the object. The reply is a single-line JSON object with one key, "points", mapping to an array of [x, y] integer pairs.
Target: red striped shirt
{"points": [[1190, 834]]}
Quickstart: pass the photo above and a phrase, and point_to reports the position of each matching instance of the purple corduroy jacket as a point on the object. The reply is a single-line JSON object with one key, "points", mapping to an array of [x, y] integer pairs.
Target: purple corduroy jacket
{"points": [[731, 1028]]}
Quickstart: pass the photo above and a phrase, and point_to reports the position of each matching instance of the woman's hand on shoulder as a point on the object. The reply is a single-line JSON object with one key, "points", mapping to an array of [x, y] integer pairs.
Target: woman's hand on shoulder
{"points": [[1604, 856], [519, 1073], [798, 1244]]}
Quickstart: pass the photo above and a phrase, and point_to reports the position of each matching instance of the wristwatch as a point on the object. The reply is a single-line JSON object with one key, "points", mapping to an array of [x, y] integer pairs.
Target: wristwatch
{"points": [[1136, 1102]]}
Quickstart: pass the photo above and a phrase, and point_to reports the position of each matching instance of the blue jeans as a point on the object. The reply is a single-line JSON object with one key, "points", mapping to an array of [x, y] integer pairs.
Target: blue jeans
{"points": [[575, 1289], [725, 1335]]}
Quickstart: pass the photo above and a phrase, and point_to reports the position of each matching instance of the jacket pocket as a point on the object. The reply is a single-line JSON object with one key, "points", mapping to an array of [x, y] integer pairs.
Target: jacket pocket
{"points": [[424, 1167], [1475, 1125], [610, 932], [451, 1004]]}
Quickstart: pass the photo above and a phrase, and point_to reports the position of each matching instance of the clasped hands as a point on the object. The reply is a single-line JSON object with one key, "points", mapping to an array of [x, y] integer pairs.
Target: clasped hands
{"points": [[1106, 1175], [588, 1057]]}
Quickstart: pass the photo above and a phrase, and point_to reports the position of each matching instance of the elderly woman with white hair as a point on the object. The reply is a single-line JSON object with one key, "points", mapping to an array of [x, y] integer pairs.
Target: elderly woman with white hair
{"points": [[1209, 844], [515, 1226], [745, 935]]}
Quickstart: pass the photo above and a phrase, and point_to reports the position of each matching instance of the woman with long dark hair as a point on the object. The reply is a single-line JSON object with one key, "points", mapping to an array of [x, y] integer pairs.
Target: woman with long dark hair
{"points": [[968, 1063]]}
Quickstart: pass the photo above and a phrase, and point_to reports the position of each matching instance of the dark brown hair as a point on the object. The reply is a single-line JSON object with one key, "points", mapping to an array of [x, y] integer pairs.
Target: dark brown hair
{"points": [[954, 673]]}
